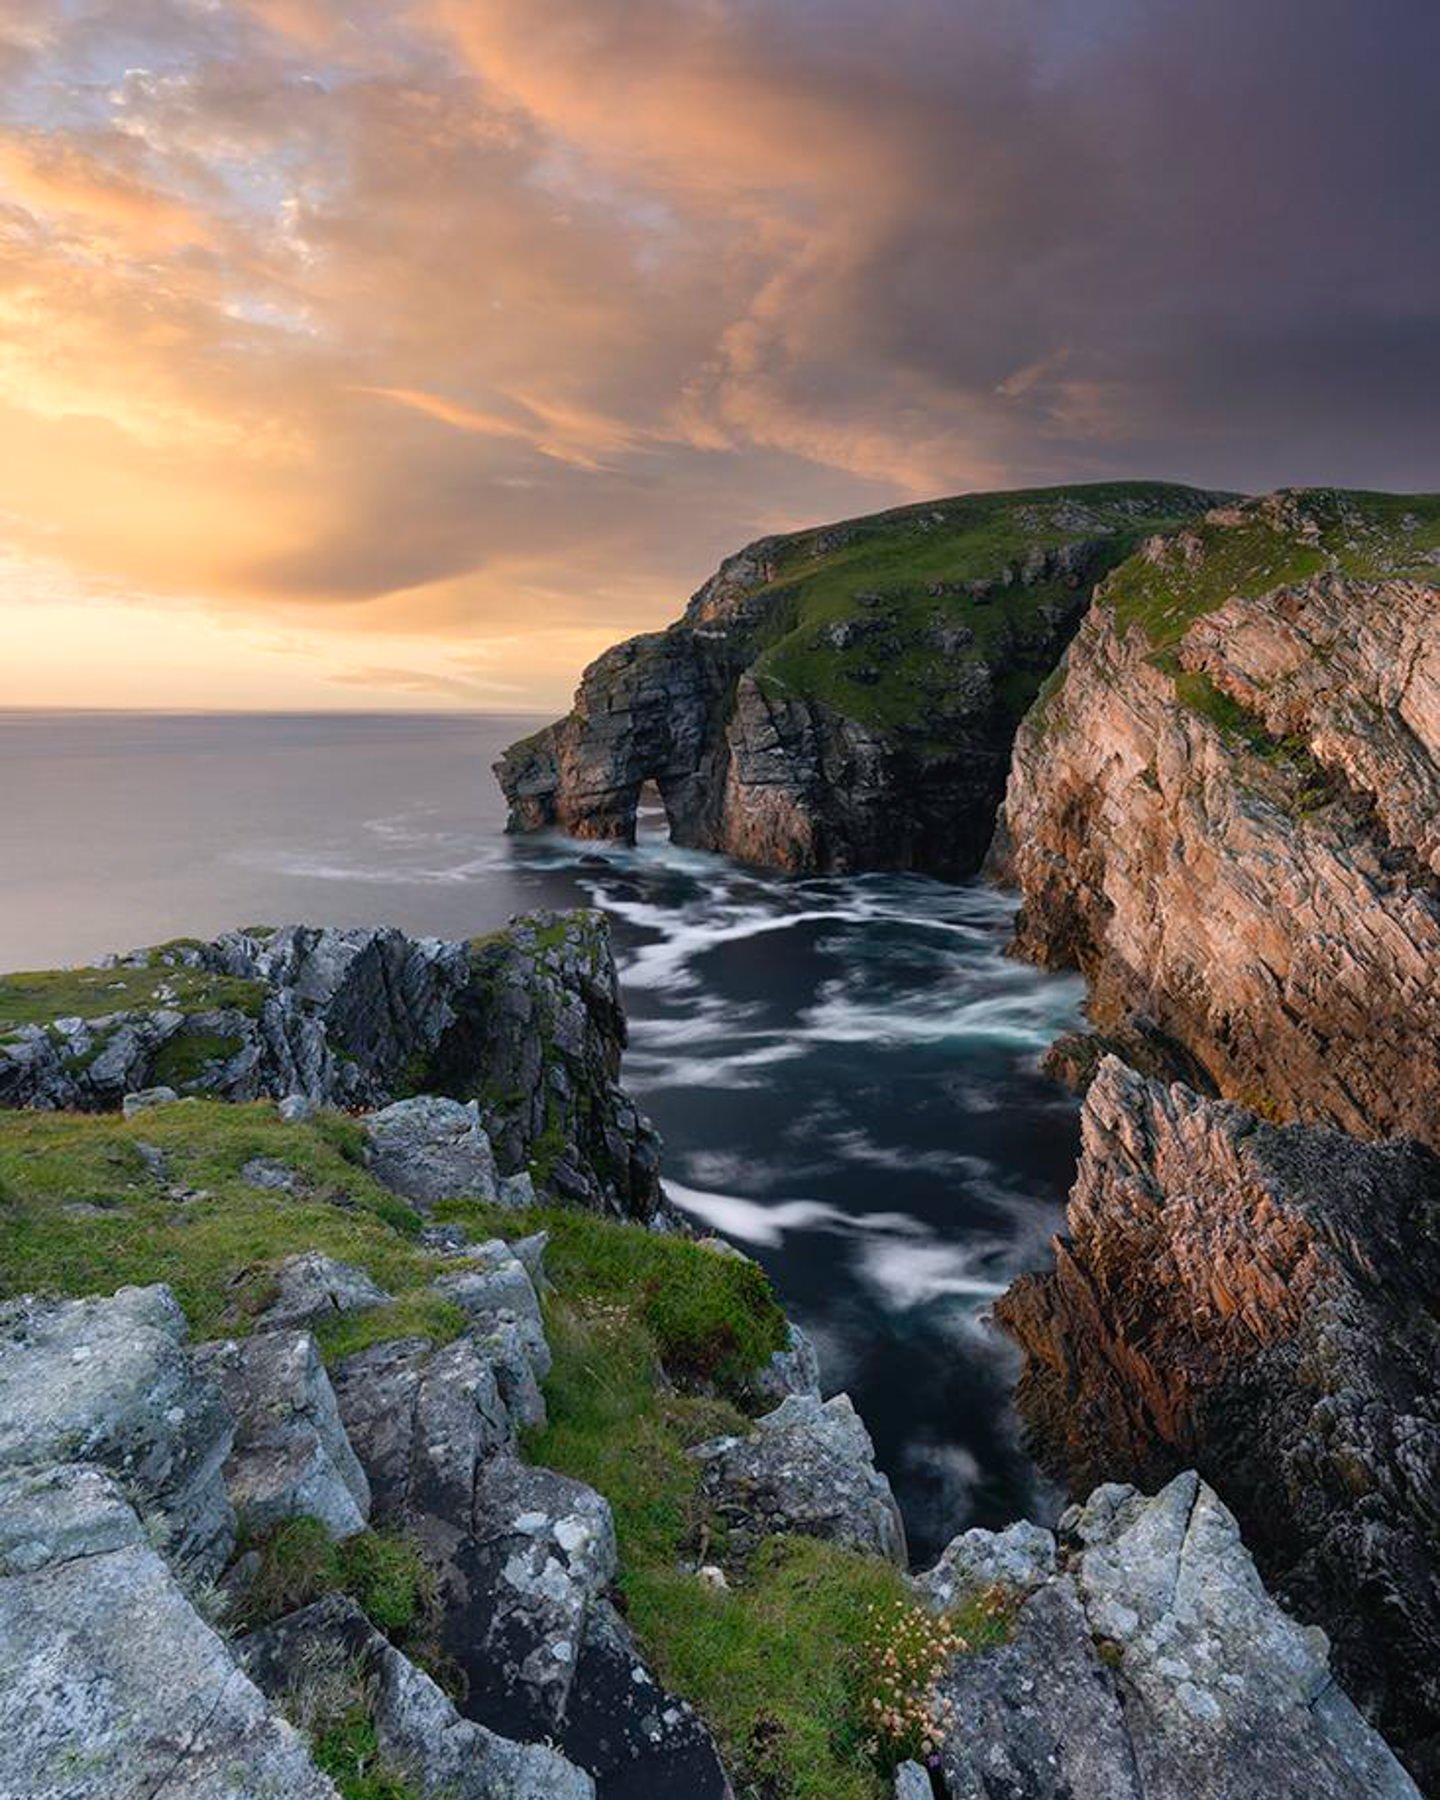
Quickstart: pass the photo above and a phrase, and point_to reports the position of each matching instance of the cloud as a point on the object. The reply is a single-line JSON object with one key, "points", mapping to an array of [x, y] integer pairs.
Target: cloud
{"points": [[487, 322]]}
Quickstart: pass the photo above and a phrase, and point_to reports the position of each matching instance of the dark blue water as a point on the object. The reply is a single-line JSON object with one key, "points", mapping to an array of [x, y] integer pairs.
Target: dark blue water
{"points": [[844, 1071]]}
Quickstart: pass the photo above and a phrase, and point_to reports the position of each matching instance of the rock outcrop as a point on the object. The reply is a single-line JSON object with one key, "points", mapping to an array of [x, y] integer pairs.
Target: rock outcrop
{"points": [[808, 1467], [1147, 1662], [111, 1684], [843, 698], [1259, 1302], [511, 1042], [109, 1382], [1226, 812]]}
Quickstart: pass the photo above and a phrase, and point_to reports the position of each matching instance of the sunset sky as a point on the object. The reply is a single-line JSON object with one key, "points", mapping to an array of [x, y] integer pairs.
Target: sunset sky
{"points": [[396, 355]]}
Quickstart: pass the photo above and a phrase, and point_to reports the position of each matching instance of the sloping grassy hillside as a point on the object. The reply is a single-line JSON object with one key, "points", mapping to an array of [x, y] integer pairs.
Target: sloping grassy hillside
{"points": [[863, 604]]}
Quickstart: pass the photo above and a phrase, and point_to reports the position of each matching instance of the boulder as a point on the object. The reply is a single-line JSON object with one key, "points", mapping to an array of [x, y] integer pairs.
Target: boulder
{"points": [[430, 1149], [291, 1458], [417, 1730], [108, 1381], [808, 1468], [793, 1370], [132, 1104], [311, 1287], [111, 1685], [1154, 1667]]}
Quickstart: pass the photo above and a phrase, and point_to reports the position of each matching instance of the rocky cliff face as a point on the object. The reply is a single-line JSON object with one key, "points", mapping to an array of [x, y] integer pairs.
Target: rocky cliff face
{"points": [[844, 698], [1259, 1303], [526, 1022], [1226, 811]]}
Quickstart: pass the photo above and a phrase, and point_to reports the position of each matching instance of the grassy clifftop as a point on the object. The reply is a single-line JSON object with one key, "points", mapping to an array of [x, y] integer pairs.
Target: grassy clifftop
{"points": [[873, 616]]}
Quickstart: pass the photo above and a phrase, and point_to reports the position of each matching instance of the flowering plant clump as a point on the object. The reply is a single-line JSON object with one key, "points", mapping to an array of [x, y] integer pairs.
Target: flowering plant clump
{"points": [[904, 1654]]}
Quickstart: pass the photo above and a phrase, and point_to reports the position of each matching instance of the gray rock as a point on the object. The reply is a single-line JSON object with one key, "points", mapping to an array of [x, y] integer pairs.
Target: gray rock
{"points": [[516, 1350], [270, 1173], [912, 1783], [517, 1191], [146, 1098], [291, 1457], [312, 1287], [108, 1381], [295, 1109], [1156, 1668], [111, 1685], [430, 1149], [530, 1253], [417, 1729], [423, 1421], [494, 1281], [1020, 1557], [808, 1467], [518, 1595], [793, 1370]]}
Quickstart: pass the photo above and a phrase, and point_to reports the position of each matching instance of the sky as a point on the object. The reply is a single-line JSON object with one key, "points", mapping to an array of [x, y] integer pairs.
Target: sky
{"points": [[407, 354]]}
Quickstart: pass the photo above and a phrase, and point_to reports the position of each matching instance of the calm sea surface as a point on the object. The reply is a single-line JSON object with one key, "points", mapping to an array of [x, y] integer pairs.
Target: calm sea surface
{"points": [[844, 1071]]}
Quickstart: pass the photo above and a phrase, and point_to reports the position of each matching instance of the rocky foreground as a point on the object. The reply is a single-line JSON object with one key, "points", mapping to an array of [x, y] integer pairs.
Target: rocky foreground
{"points": [[845, 698], [525, 1024]]}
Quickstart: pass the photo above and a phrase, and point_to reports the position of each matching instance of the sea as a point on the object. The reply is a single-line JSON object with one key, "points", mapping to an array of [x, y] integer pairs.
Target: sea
{"points": [[845, 1071]]}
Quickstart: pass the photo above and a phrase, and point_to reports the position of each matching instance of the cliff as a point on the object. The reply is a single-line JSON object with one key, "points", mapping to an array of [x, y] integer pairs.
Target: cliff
{"points": [[1225, 809], [526, 1022], [843, 698], [1259, 1303]]}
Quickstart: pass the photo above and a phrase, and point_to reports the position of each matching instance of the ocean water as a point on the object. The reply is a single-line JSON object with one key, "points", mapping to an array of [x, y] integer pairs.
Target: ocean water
{"points": [[845, 1071]]}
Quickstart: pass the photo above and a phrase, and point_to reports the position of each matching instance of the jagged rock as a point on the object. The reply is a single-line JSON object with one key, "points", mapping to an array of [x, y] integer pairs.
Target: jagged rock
{"points": [[525, 1023], [793, 1370], [518, 1594], [111, 1685], [422, 1421], [291, 1458], [417, 1729], [274, 1176], [520, 1357], [498, 1297], [808, 1468], [108, 1381], [1233, 830], [311, 1287], [1019, 1558], [1156, 1667], [295, 1109], [430, 1149], [496, 1281], [733, 713], [1259, 1302]]}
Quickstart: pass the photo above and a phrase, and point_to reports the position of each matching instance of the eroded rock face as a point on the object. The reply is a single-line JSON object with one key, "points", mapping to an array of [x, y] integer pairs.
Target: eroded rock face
{"points": [[808, 1467], [108, 1381], [1258, 1302], [844, 698], [1149, 1663], [1226, 812], [291, 1458], [508, 1046], [110, 1682]]}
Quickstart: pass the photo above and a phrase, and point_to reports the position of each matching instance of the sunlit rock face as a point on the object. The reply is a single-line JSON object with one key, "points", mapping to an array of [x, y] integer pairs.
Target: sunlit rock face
{"points": [[1227, 811], [1258, 1302], [841, 699]]}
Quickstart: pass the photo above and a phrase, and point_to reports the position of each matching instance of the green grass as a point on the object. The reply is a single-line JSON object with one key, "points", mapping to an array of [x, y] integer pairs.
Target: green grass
{"points": [[34, 997], [419, 1314], [348, 1751], [81, 1213], [384, 1571], [1364, 536], [189, 1054], [713, 1319], [893, 674]]}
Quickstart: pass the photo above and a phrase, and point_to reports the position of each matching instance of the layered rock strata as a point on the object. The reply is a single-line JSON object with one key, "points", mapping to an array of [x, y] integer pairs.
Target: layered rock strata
{"points": [[844, 698], [1259, 1302], [1226, 812]]}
